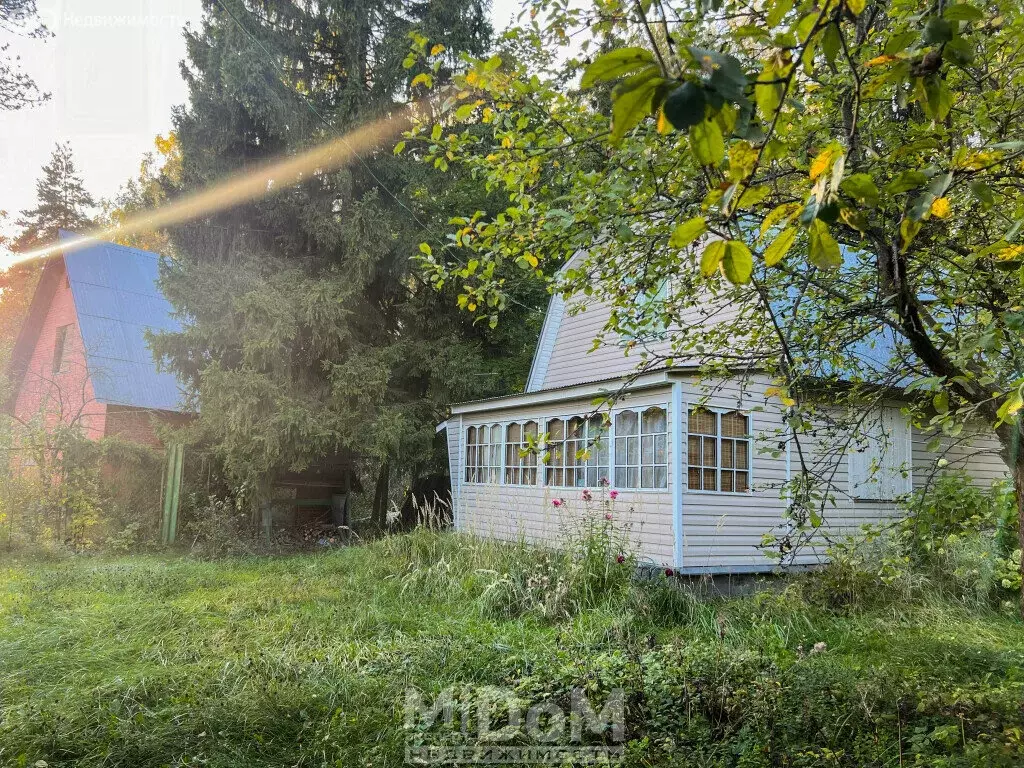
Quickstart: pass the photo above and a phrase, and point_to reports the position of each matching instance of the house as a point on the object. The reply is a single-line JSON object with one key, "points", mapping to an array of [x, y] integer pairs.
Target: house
{"points": [[699, 464], [82, 356]]}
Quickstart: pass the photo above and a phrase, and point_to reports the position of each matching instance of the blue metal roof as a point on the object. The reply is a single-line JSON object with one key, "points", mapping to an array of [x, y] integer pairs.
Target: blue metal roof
{"points": [[118, 298]]}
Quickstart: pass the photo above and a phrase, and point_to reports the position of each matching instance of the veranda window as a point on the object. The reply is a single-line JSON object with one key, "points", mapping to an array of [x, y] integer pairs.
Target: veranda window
{"points": [[718, 451], [641, 456], [483, 453], [520, 460], [577, 452]]}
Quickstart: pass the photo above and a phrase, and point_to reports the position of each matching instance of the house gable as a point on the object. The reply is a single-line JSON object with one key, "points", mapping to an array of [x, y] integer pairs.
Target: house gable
{"points": [[50, 367]]}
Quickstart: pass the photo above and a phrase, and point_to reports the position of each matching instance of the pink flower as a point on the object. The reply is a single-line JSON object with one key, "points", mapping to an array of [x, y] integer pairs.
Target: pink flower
{"points": [[620, 559], [607, 515], [603, 481], [613, 495], [557, 502], [669, 572], [587, 496]]}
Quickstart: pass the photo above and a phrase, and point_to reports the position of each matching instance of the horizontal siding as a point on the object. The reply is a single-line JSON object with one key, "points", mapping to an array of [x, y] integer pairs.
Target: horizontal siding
{"points": [[720, 532], [976, 451], [515, 512], [573, 359]]}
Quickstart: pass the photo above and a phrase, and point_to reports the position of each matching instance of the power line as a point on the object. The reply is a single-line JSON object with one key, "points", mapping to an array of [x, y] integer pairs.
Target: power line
{"points": [[309, 105]]}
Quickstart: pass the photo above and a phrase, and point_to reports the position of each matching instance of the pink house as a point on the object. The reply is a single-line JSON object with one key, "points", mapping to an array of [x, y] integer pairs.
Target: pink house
{"points": [[82, 356]]}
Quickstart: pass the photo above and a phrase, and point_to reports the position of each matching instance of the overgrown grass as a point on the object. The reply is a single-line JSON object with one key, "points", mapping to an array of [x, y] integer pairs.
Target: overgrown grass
{"points": [[305, 660]]}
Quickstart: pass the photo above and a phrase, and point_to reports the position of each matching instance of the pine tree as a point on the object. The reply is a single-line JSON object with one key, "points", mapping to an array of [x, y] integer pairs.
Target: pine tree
{"points": [[313, 334], [62, 203]]}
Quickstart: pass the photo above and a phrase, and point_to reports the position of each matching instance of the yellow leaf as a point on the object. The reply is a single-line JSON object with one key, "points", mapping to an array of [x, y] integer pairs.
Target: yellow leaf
{"points": [[422, 79], [472, 78], [880, 60], [437, 49], [856, 6], [823, 161], [940, 207]]}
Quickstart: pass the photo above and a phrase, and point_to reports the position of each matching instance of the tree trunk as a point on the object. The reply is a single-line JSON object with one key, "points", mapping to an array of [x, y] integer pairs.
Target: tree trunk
{"points": [[380, 495]]}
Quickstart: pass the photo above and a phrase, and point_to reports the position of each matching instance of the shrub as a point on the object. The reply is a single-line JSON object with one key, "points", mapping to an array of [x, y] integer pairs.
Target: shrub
{"points": [[956, 538]]}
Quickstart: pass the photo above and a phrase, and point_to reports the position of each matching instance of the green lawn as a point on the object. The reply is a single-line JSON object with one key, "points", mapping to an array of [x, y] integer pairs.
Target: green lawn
{"points": [[305, 661]]}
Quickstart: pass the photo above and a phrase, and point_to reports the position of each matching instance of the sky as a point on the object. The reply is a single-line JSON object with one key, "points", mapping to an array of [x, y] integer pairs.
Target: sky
{"points": [[112, 69]]}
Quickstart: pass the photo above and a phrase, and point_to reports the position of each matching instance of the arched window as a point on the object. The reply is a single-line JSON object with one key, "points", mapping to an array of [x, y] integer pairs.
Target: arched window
{"points": [[641, 448], [718, 451], [521, 453], [577, 452], [472, 447], [492, 471], [483, 453]]}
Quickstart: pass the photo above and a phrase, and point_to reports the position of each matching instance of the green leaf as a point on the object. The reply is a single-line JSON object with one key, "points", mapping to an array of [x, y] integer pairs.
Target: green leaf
{"points": [[685, 106], [779, 247], [936, 31], [938, 98], [399, 147], [824, 251], [962, 12], [908, 231], [831, 42], [861, 188], [905, 182], [737, 263], [777, 11], [435, 133], [687, 232], [785, 211], [425, 249], [769, 95], [936, 188], [899, 43], [983, 192], [856, 6], [1012, 405], [464, 111], [752, 196], [707, 143], [614, 64], [941, 402], [631, 101], [713, 254], [742, 158]]}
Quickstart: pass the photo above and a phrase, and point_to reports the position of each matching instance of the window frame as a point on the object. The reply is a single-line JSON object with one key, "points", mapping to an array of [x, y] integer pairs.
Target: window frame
{"points": [[546, 467], [639, 410], [60, 346], [749, 439], [522, 422], [484, 468]]}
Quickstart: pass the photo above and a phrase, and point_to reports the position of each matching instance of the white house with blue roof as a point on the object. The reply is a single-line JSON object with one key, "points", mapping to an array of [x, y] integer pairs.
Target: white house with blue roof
{"points": [[694, 467]]}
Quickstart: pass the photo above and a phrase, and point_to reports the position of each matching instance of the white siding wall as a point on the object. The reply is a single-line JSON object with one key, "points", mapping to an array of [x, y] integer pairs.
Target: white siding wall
{"points": [[513, 512], [721, 532], [568, 350]]}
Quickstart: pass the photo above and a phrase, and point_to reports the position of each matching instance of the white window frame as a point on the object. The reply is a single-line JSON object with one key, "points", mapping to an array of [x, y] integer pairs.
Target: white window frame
{"points": [[685, 460], [522, 422], [639, 410], [901, 481], [546, 467], [486, 468]]}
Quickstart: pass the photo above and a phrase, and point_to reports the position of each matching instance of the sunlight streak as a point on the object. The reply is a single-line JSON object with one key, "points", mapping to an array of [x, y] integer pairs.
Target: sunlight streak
{"points": [[245, 186]]}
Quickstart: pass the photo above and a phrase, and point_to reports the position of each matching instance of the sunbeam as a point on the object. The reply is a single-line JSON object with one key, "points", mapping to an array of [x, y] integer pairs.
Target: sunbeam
{"points": [[247, 185]]}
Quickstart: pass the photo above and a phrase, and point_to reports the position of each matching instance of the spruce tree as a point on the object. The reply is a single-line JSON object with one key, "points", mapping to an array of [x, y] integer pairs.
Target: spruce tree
{"points": [[312, 333], [63, 203]]}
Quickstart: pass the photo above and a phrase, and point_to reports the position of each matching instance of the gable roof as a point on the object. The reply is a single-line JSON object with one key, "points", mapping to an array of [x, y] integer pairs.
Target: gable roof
{"points": [[117, 300]]}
